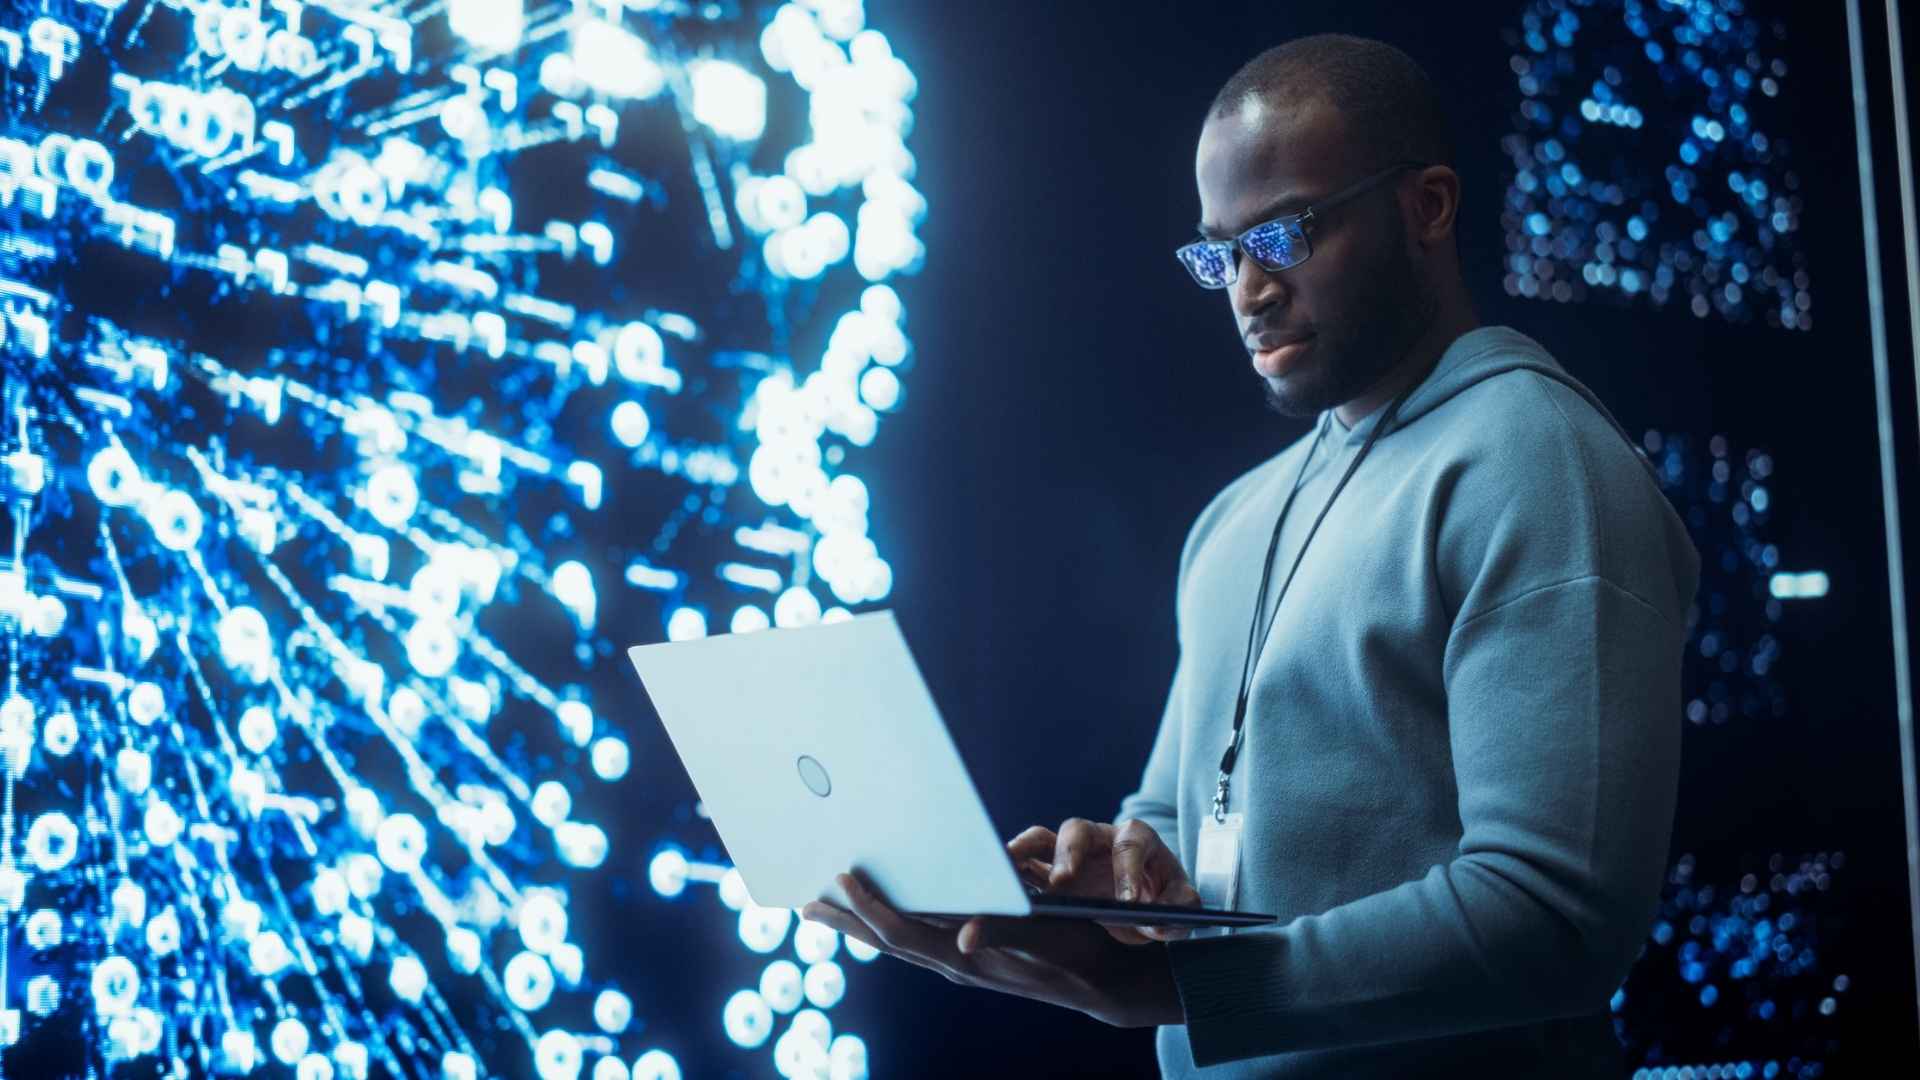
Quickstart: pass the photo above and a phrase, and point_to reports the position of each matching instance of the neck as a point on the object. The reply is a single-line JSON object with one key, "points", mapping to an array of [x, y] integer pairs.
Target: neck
{"points": [[1450, 321]]}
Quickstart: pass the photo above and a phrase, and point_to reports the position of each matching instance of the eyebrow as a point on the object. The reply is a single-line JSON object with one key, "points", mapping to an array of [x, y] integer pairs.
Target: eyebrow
{"points": [[1285, 204]]}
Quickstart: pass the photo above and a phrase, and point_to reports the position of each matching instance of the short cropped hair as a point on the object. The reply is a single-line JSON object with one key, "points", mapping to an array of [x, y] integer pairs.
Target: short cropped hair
{"points": [[1386, 96]]}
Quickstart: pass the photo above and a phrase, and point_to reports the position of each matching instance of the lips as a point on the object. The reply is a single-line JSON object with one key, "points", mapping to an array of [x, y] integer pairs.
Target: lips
{"points": [[1275, 354]]}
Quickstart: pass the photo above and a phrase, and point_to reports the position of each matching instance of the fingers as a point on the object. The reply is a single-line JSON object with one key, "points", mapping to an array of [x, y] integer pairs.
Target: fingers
{"points": [[986, 932], [898, 934], [844, 921], [1078, 843], [1034, 843], [1030, 852], [1144, 867]]}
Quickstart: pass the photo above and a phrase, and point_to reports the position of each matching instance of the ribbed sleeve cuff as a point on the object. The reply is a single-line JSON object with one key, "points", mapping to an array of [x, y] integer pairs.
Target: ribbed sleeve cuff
{"points": [[1230, 991]]}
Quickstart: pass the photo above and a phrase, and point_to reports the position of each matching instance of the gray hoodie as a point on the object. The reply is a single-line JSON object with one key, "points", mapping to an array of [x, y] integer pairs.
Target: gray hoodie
{"points": [[1462, 745]]}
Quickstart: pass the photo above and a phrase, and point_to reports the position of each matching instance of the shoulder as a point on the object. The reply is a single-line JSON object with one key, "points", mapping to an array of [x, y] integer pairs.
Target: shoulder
{"points": [[1537, 485]]}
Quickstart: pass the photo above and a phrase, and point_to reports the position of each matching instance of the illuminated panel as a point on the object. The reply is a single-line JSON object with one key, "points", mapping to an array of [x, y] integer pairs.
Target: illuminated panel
{"points": [[1743, 973], [1648, 162], [359, 358]]}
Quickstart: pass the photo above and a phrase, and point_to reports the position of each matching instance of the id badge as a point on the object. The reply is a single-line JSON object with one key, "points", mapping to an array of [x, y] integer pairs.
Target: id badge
{"points": [[1216, 869]]}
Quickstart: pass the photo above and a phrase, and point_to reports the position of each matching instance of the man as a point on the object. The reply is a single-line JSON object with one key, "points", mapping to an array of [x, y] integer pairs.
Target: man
{"points": [[1456, 710]]}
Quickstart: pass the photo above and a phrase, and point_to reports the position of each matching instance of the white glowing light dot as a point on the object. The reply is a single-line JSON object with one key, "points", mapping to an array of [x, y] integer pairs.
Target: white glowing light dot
{"points": [[408, 978], [455, 1065], [572, 586], [463, 950], [780, 985], [43, 995], [268, 954], [814, 1026], [44, 930], [116, 983], [613, 1011], [313, 1067], [796, 607], [557, 1056], [134, 769], [667, 873], [239, 1049], [246, 645], [576, 721], [392, 495], [145, 703], [848, 1058], [748, 619], [569, 964], [580, 844], [528, 981], [826, 984], [363, 811], [257, 729], [52, 841], [352, 1059], [762, 929], [61, 734], [163, 933], [289, 1040], [728, 98], [495, 25], [401, 841], [114, 478], [432, 647], [129, 903], [610, 758], [543, 922], [363, 874], [747, 1019], [656, 1065], [630, 423], [162, 823], [176, 521], [862, 951], [551, 803], [686, 624], [614, 62], [815, 943], [733, 890], [880, 388], [610, 1068], [240, 918]]}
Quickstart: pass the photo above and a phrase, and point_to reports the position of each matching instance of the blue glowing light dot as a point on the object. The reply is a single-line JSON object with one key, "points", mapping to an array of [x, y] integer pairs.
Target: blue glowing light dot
{"points": [[782, 986], [747, 1019], [657, 1065]]}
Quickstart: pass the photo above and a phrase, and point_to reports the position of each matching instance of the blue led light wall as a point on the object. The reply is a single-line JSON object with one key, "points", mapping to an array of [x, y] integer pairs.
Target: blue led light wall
{"points": [[359, 357], [1649, 164]]}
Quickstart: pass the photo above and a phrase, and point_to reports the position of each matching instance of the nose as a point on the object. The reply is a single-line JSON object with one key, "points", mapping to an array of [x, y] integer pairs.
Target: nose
{"points": [[1255, 288]]}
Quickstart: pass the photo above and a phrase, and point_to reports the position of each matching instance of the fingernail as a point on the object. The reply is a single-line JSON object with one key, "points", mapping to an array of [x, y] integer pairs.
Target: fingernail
{"points": [[1126, 890]]}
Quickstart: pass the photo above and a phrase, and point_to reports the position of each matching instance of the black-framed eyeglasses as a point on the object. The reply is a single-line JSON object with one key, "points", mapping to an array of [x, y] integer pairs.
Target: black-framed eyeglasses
{"points": [[1275, 245]]}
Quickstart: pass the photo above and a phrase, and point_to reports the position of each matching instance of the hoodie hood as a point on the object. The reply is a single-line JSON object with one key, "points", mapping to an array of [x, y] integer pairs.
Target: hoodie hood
{"points": [[1480, 354]]}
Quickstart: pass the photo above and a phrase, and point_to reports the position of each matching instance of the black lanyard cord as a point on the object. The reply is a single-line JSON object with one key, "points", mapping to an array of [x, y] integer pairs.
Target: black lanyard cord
{"points": [[1256, 633]]}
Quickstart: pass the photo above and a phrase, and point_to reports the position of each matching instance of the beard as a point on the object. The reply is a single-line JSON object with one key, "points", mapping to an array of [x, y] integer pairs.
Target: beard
{"points": [[1369, 326]]}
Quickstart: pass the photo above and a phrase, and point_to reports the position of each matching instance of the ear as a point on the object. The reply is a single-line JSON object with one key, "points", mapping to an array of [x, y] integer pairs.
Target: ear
{"points": [[1432, 203]]}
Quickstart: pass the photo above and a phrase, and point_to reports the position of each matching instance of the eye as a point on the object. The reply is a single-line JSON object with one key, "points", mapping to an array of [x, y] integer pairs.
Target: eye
{"points": [[1277, 243]]}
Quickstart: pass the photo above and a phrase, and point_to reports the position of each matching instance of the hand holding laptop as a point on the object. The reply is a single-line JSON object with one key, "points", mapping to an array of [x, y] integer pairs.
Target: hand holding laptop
{"points": [[1065, 962]]}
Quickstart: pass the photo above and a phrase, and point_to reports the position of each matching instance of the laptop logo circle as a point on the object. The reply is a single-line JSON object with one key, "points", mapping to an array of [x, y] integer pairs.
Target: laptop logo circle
{"points": [[814, 775]]}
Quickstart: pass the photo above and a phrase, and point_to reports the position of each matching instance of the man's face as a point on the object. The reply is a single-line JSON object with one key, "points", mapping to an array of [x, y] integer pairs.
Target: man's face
{"points": [[1327, 330]]}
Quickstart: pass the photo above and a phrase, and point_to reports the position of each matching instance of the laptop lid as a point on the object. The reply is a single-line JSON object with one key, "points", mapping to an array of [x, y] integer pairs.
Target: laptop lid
{"points": [[818, 749]]}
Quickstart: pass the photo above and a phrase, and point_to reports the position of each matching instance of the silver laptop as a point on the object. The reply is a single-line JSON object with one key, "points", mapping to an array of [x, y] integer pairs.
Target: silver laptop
{"points": [[818, 750]]}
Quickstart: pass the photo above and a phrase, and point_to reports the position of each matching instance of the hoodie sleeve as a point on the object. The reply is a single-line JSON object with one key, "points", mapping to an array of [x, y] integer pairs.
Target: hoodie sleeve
{"points": [[1156, 802], [1561, 669]]}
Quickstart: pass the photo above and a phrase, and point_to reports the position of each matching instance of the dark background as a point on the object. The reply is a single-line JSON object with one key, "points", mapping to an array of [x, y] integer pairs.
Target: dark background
{"points": [[1076, 402]]}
